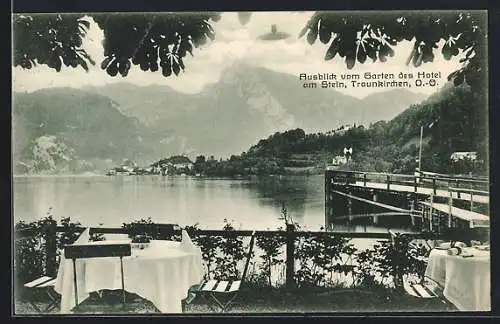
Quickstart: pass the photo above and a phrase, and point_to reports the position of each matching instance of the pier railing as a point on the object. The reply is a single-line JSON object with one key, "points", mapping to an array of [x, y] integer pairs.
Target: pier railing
{"points": [[424, 180], [290, 238]]}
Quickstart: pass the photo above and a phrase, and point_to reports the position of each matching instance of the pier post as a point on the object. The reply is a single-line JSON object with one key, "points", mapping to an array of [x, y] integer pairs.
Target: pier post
{"points": [[450, 205], [349, 206], [411, 204], [375, 217], [290, 255], [471, 196], [431, 213]]}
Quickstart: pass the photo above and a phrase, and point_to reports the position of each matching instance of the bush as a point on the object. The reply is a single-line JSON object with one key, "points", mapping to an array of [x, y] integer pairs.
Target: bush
{"points": [[30, 259], [323, 260], [319, 258], [221, 254]]}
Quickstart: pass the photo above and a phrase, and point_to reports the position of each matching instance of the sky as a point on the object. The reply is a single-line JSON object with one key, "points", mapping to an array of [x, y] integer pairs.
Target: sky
{"points": [[234, 42]]}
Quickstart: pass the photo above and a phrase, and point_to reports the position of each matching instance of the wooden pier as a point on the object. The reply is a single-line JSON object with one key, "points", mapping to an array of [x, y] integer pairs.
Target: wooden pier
{"points": [[424, 199]]}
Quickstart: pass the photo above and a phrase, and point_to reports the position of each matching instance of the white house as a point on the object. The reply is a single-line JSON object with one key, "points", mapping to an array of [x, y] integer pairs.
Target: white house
{"points": [[339, 160], [183, 165], [458, 156]]}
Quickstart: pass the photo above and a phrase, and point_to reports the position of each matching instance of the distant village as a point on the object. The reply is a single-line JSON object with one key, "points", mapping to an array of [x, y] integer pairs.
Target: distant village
{"points": [[173, 165]]}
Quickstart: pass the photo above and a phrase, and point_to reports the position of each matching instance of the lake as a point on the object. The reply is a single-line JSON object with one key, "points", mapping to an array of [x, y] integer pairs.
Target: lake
{"points": [[254, 203]]}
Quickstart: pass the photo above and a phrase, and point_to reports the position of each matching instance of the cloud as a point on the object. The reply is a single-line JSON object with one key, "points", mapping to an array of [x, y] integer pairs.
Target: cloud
{"points": [[233, 42]]}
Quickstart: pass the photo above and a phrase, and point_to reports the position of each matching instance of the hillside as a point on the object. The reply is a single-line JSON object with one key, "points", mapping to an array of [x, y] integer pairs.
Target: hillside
{"points": [[458, 120], [87, 128], [454, 119]]}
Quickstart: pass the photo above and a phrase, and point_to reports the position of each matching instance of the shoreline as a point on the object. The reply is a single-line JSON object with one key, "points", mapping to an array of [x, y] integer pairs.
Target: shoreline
{"points": [[57, 175], [241, 177]]}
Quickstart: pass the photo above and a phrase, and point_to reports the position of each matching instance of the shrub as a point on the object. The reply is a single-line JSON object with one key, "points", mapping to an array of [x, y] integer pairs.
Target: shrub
{"points": [[30, 258], [321, 258]]}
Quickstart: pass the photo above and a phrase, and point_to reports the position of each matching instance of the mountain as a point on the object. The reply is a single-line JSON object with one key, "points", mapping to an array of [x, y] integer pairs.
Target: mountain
{"points": [[248, 103], [65, 129], [391, 103], [70, 130]]}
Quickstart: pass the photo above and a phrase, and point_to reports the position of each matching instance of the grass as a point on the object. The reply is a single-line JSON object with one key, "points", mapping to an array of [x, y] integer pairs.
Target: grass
{"points": [[268, 300]]}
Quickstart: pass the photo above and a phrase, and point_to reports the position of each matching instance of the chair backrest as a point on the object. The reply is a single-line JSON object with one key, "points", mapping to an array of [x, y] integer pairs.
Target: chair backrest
{"points": [[97, 251], [249, 256]]}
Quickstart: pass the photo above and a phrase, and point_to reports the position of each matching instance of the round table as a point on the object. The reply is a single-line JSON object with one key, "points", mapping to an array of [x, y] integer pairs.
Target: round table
{"points": [[466, 281], [161, 273]]}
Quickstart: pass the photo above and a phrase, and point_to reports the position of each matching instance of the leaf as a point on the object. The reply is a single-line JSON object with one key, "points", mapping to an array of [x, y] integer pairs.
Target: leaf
{"points": [[144, 66], [312, 35], [244, 17], [446, 51], [82, 62], [106, 62], [390, 51], [84, 23], [459, 79], [123, 67], [112, 68], [153, 66], [350, 60], [428, 56], [215, 16], [57, 63], [417, 57], [324, 33], [85, 56], [333, 49], [303, 31], [361, 55], [176, 68], [166, 69], [210, 35]]}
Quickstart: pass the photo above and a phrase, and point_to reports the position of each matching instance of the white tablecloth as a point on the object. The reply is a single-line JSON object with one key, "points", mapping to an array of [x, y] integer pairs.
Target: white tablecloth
{"points": [[161, 273], [466, 281]]}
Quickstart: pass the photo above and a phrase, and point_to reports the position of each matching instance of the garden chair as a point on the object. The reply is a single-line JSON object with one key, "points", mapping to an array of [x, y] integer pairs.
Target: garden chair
{"points": [[85, 251], [45, 286], [221, 292], [424, 288], [428, 290]]}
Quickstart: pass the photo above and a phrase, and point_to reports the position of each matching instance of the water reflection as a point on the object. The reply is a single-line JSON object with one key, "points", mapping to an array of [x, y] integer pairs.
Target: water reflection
{"points": [[249, 203], [299, 194]]}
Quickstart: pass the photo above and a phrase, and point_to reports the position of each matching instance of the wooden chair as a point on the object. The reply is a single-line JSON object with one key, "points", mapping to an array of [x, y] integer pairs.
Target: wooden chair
{"points": [[217, 290], [426, 288], [429, 291], [44, 285], [74, 252]]}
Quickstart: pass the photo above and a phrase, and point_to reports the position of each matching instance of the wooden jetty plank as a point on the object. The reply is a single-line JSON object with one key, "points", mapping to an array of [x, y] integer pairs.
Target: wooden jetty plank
{"points": [[427, 191], [373, 202], [458, 212]]}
